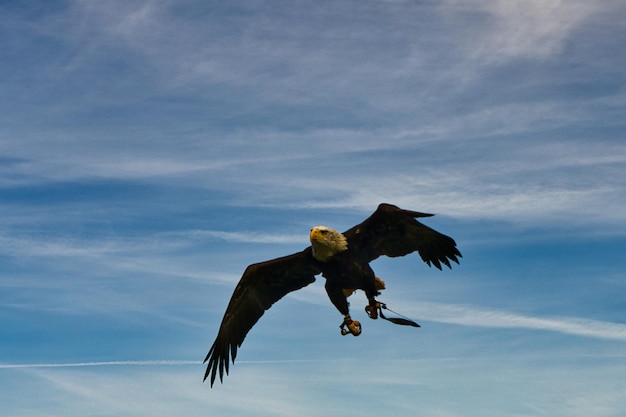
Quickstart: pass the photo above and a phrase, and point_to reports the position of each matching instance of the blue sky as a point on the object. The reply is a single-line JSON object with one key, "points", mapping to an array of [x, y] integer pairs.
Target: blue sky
{"points": [[151, 150]]}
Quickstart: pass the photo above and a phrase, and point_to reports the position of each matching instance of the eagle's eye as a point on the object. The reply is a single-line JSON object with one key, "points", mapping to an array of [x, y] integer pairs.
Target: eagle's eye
{"points": [[324, 231]]}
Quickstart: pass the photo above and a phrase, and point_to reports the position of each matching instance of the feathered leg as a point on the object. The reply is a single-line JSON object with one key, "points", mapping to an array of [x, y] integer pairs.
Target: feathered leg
{"points": [[371, 291], [339, 300]]}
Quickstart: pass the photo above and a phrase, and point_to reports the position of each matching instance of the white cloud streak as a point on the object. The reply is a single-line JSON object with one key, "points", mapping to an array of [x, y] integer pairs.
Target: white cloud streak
{"points": [[436, 387], [95, 363], [536, 28], [250, 237], [470, 316]]}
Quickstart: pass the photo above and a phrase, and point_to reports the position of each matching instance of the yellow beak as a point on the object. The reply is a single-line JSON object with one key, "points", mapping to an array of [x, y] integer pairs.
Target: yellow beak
{"points": [[315, 234]]}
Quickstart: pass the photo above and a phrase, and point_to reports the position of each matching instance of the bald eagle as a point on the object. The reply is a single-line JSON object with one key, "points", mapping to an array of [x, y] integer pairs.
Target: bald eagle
{"points": [[343, 259]]}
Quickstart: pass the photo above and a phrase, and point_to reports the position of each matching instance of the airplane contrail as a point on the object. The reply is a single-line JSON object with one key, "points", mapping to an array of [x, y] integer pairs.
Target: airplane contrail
{"points": [[103, 363]]}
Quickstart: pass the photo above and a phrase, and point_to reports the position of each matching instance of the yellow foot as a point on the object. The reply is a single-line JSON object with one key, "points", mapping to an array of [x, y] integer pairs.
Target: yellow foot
{"points": [[372, 310], [353, 327]]}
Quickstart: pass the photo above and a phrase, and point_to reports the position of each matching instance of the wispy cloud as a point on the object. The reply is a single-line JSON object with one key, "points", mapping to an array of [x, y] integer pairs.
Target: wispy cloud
{"points": [[527, 29], [248, 237], [314, 72], [471, 316], [103, 363]]}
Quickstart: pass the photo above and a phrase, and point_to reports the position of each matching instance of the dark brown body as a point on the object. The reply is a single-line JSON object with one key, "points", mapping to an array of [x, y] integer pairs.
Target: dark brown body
{"points": [[345, 270]]}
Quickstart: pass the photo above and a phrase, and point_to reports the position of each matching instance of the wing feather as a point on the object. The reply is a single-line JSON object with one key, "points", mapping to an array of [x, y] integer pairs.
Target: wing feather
{"points": [[260, 286], [392, 231]]}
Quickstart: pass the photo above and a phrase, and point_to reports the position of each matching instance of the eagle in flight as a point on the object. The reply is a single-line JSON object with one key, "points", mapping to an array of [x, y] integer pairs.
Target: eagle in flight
{"points": [[343, 259]]}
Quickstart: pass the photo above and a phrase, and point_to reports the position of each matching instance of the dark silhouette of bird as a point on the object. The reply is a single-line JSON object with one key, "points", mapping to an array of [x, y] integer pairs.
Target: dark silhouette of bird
{"points": [[342, 259]]}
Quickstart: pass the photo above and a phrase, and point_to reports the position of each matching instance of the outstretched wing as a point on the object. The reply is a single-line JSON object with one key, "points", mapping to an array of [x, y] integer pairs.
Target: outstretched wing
{"points": [[261, 285], [393, 232]]}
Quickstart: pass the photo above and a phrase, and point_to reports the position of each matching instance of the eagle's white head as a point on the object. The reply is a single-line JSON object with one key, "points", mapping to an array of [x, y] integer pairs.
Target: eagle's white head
{"points": [[326, 242]]}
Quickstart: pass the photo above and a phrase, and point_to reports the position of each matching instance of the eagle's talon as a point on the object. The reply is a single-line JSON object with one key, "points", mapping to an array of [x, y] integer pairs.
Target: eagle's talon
{"points": [[353, 327], [372, 312]]}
